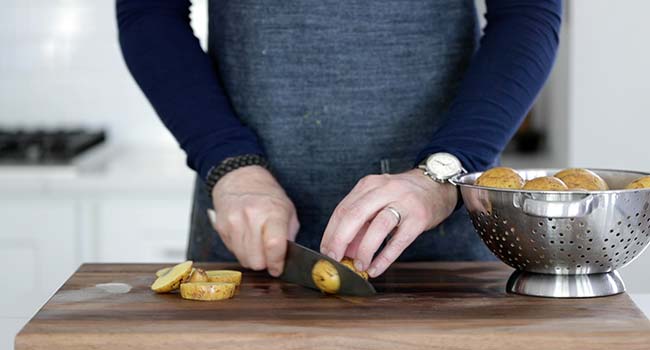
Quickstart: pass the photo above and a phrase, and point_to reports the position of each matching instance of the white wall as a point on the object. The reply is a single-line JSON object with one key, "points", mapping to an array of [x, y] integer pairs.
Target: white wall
{"points": [[609, 79], [61, 65]]}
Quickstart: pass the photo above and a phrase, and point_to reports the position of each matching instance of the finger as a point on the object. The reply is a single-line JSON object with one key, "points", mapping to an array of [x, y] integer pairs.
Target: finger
{"points": [[381, 226], [351, 252], [254, 244], [354, 217], [403, 237], [294, 227], [232, 227], [275, 233], [362, 187]]}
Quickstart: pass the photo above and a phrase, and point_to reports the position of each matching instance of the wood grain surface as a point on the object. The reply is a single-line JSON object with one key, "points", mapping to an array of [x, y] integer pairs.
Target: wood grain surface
{"points": [[419, 306]]}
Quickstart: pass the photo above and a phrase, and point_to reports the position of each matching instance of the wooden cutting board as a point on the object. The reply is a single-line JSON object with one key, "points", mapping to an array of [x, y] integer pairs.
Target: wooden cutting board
{"points": [[419, 306]]}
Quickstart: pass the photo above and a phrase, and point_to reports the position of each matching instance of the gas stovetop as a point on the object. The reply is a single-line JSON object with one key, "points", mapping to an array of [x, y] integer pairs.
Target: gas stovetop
{"points": [[46, 147]]}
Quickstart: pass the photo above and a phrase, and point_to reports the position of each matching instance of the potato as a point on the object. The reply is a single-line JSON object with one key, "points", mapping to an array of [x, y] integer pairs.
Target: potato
{"points": [[198, 275], [207, 291], [229, 276], [582, 179], [500, 177], [172, 279], [326, 277], [642, 182], [545, 183], [349, 263], [162, 271]]}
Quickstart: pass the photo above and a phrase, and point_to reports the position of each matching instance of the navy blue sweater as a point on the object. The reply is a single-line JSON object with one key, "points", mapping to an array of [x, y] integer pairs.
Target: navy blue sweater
{"points": [[514, 58]]}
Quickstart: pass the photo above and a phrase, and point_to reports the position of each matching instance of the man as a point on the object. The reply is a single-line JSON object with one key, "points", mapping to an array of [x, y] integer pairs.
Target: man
{"points": [[307, 119]]}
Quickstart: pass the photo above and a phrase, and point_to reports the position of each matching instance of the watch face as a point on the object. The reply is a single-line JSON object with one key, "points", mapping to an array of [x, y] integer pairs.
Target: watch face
{"points": [[443, 165]]}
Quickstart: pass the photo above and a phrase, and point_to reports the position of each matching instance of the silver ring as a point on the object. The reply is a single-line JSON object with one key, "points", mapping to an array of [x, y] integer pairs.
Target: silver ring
{"points": [[398, 216]]}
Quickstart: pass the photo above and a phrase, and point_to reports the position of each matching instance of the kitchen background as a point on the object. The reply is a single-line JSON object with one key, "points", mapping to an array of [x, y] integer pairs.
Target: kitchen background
{"points": [[128, 199]]}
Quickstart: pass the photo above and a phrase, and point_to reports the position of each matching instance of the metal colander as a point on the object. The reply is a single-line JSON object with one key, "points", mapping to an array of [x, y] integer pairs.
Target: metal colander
{"points": [[563, 244]]}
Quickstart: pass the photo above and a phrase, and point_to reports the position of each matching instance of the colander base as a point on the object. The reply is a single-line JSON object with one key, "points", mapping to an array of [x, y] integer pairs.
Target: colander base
{"points": [[565, 286]]}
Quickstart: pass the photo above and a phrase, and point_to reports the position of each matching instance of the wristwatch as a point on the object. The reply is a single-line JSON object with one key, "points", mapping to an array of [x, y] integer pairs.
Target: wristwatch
{"points": [[441, 167]]}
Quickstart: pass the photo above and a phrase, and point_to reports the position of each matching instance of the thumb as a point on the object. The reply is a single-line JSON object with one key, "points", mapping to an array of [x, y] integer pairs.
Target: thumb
{"points": [[275, 232]]}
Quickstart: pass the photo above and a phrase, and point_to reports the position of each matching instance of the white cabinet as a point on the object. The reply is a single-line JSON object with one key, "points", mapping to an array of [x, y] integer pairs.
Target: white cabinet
{"points": [[38, 244], [142, 230]]}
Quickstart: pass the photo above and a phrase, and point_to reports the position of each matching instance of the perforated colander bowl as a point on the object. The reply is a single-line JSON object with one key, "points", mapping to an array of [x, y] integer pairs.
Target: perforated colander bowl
{"points": [[562, 244]]}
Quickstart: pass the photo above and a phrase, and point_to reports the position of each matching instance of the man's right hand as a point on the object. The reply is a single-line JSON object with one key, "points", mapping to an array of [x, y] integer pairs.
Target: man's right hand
{"points": [[254, 218]]}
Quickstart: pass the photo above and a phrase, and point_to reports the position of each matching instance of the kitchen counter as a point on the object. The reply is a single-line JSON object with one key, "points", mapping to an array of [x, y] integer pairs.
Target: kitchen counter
{"points": [[419, 305]]}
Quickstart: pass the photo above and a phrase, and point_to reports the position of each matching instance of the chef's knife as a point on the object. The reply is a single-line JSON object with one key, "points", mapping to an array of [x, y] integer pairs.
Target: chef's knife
{"points": [[300, 260]]}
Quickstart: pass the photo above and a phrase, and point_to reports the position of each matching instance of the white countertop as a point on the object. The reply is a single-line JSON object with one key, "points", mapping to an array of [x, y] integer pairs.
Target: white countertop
{"points": [[106, 169]]}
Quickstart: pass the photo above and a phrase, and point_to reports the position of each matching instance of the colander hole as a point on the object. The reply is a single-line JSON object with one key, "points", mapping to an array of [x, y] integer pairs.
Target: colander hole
{"points": [[561, 249], [553, 227], [534, 231], [601, 265], [550, 219], [616, 253], [604, 248], [629, 225], [591, 239], [505, 222], [604, 256], [561, 242], [588, 231], [552, 242], [541, 224], [636, 214], [610, 259], [588, 248], [578, 266], [622, 240], [572, 219], [596, 262], [512, 244], [570, 242], [561, 234], [606, 239], [611, 231], [568, 255], [505, 233], [544, 235], [582, 224], [582, 256], [613, 245], [629, 217], [620, 222], [618, 234], [579, 247], [587, 262]]}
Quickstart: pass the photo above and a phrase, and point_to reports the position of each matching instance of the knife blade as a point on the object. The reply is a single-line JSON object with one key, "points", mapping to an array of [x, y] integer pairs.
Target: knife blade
{"points": [[300, 260]]}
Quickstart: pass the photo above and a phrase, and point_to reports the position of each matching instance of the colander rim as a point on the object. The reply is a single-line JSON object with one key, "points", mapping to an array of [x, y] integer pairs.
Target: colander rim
{"points": [[456, 182]]}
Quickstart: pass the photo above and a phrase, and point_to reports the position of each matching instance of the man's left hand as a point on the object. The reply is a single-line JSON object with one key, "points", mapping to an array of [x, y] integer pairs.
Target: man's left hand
{"points": [[361, 222]]}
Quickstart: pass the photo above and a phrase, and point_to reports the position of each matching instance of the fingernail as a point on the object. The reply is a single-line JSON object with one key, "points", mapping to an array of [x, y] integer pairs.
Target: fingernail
{"points": [[372, 271], [358, 265], [332, 255]]}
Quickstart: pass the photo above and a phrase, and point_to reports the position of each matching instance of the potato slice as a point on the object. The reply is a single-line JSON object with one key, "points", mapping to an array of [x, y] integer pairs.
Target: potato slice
{"points": [[207, 291], [229, 276], [545, 183], [582, 179], [172, 279], [162, 271], [326, 277], [350, 264], [500, 177], [642, 182], [198, 275]]}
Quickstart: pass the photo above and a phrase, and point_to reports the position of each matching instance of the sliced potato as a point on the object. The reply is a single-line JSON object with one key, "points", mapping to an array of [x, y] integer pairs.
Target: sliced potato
{"points": [[207, 291], [500, 177], [326, 277], [642, 182], [349, 263], [229, 276], [172, 279], [582, 179], [198, 275], [162, 271], [545, 183]]}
